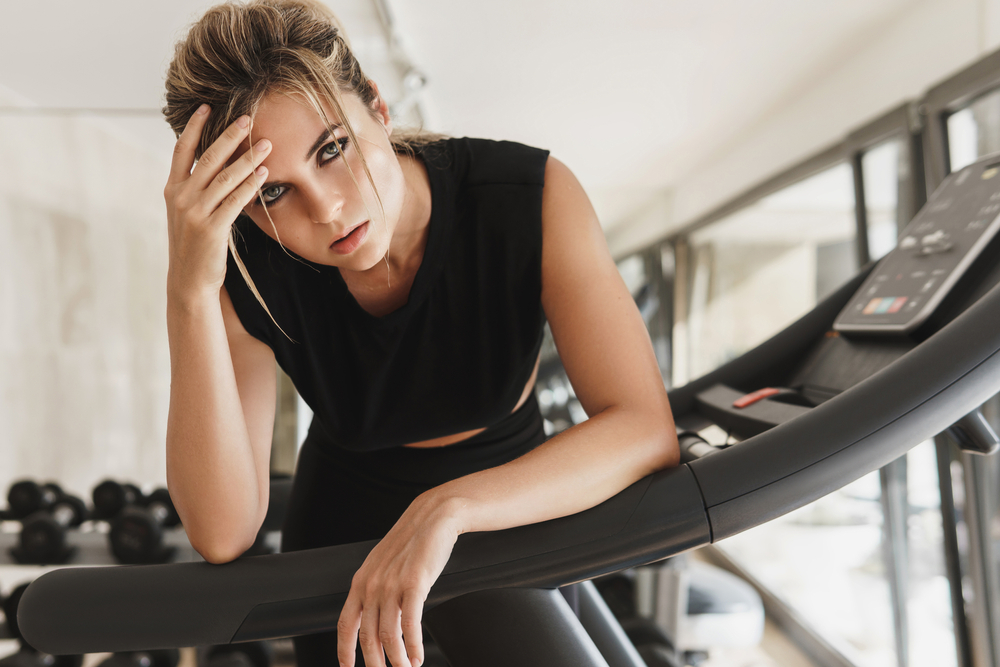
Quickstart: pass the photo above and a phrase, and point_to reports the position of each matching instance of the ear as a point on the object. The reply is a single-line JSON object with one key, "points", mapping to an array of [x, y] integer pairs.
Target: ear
{"points": [[380, 109]]}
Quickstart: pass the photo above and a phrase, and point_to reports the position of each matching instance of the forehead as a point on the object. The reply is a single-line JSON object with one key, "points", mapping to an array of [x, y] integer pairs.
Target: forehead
{"points": [[291, 122]]}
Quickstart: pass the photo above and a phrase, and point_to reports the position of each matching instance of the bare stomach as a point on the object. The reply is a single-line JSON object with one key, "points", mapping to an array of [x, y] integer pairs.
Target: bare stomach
{"points": [[458, 437]]}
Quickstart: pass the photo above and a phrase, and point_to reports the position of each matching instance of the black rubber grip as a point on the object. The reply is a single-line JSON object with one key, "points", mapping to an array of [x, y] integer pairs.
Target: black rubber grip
{"points": [[91, 610]]}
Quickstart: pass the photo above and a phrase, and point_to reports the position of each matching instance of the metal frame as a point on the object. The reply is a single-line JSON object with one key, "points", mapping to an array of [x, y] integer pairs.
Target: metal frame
{"points": [[663, 322], [975, 620], [904, 123], [944, 99], [953, 567]]}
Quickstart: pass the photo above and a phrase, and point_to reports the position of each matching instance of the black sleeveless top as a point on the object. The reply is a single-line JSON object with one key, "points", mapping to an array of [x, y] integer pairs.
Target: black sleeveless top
{"points": [[459, 353]]}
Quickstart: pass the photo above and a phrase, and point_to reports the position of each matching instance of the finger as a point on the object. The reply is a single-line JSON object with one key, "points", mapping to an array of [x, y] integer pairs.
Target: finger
{"points": [[233, 203], [215, 157], [347, 632], [235, 174], [413, 635], [368, 635], [187, 143], [391, 636]]}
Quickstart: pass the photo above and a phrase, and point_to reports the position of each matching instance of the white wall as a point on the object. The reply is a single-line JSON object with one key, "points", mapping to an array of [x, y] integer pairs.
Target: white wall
{"points": [[84, 369], [899, 63]]}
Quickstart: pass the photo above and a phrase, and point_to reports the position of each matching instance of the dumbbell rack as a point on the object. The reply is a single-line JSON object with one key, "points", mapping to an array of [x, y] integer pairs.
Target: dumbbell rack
{"points": [[91, 541], [92, 549]]}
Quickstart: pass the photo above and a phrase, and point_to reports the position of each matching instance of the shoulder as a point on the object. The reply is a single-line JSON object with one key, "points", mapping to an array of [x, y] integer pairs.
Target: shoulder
{"points": [[487, 162], [570, 227]]}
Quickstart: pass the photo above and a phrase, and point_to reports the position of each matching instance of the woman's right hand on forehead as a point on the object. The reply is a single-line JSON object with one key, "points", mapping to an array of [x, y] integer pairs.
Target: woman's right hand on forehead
{"points": [[203, 203]]}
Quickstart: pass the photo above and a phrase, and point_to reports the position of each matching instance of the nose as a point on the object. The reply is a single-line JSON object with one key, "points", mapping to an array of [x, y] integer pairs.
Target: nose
{"points": [[324, 204]]}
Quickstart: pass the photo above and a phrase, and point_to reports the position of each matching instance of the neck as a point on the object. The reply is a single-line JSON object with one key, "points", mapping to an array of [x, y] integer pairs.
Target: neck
{"points": [[409, 239]]}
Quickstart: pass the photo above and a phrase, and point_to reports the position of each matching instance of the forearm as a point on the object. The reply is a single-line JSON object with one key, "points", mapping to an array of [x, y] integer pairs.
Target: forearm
{"points": [[212, 474], [573, 471]]}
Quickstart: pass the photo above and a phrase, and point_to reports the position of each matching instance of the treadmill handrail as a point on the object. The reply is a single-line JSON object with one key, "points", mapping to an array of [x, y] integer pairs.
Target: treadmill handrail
{"points": [[89, 609], [917, 396]]}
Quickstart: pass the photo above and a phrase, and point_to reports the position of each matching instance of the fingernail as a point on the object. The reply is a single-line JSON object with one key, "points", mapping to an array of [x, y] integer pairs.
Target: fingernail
{"points": [[202, 110], [261, 170], [243, 121], [263, 145]]}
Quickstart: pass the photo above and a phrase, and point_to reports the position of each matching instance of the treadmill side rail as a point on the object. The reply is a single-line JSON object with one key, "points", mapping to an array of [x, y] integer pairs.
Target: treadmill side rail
{"points": [[95, 610]]}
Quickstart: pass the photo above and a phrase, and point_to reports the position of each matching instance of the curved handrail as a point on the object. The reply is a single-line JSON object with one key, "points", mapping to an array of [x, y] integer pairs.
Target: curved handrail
{"points": [[82, 610]]}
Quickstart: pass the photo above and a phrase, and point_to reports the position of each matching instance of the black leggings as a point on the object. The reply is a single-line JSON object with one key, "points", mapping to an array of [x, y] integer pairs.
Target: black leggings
{"points": [[339, 497]]}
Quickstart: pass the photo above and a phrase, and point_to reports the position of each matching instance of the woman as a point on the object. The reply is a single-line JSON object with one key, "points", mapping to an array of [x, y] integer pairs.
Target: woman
{"points": [[403, 284]]}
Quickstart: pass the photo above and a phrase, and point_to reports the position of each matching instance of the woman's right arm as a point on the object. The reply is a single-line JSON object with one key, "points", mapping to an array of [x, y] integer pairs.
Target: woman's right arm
{"points": [[222, 388]]}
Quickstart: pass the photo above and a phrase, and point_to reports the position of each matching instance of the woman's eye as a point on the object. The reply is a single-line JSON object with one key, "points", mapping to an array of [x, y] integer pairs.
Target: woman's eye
{"points": [[333, 149], [272, 193]]}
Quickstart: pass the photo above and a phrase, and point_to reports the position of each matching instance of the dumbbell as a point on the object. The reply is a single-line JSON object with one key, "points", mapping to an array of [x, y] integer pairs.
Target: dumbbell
{"points": [[168, 657], [110, 498], [137, 532], [43, 533], [26, 497], [27, 656], [244, 654]]}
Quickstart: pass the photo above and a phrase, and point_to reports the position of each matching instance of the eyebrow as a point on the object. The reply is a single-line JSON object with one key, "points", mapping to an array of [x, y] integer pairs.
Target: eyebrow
{"points": [[320, 140], [319, 143]]}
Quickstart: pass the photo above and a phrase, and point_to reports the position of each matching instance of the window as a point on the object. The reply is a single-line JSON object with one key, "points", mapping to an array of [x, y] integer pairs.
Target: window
{"points": [[974, 131], [756, 271], [880, 169]]}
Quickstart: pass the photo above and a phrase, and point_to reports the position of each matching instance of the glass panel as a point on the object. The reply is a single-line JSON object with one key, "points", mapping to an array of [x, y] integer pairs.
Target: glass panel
{"points": [[974, 131], [931, 628], [751, 275], [756, 271], [825, 560], [880, 171]]}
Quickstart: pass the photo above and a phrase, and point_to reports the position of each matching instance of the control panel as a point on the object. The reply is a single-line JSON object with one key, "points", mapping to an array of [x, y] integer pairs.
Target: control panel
{"points": [[934, 251]]}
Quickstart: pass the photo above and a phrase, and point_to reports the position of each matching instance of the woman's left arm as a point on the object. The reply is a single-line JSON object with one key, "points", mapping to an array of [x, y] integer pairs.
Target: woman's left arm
{"points": [[608, 356]]}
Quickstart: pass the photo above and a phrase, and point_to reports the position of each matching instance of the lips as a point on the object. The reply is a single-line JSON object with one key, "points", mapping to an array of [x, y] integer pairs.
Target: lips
{"points": [[351, 240], [347, 233]]}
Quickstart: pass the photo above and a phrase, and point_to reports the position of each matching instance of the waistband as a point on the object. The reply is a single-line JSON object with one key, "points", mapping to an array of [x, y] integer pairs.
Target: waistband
{"points": [[518, 433]]}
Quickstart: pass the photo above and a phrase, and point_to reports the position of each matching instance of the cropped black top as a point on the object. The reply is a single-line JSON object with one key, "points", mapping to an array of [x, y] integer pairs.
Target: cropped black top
{"points": [[458, 354]]}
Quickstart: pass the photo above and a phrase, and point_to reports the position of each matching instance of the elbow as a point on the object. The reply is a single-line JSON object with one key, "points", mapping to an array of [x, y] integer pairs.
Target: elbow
{"points": [[218, 549], [673, 449], [218, 554], [664, 449]]}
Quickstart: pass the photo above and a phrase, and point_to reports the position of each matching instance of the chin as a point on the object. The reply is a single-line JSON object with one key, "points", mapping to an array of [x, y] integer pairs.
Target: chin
{"points": [[364, 258]]}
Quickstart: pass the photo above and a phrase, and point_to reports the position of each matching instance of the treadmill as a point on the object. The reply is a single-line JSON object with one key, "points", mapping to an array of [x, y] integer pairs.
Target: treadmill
{"points": [[907, 349]]}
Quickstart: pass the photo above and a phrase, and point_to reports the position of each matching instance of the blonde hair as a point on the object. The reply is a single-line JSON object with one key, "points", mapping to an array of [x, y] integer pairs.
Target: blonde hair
{"points": [[239, 53]]}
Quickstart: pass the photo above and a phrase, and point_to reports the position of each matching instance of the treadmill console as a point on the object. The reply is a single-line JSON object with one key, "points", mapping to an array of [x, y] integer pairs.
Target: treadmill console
{"points": [[934, 251]]}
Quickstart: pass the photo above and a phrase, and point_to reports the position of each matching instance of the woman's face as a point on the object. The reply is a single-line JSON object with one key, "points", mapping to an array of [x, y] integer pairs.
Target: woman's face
{"points": [[318, 211]]}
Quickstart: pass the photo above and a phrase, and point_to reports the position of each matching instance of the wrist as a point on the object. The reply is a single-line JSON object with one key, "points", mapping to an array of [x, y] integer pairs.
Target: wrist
{"points": [[454, 512], [185, 298]]}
